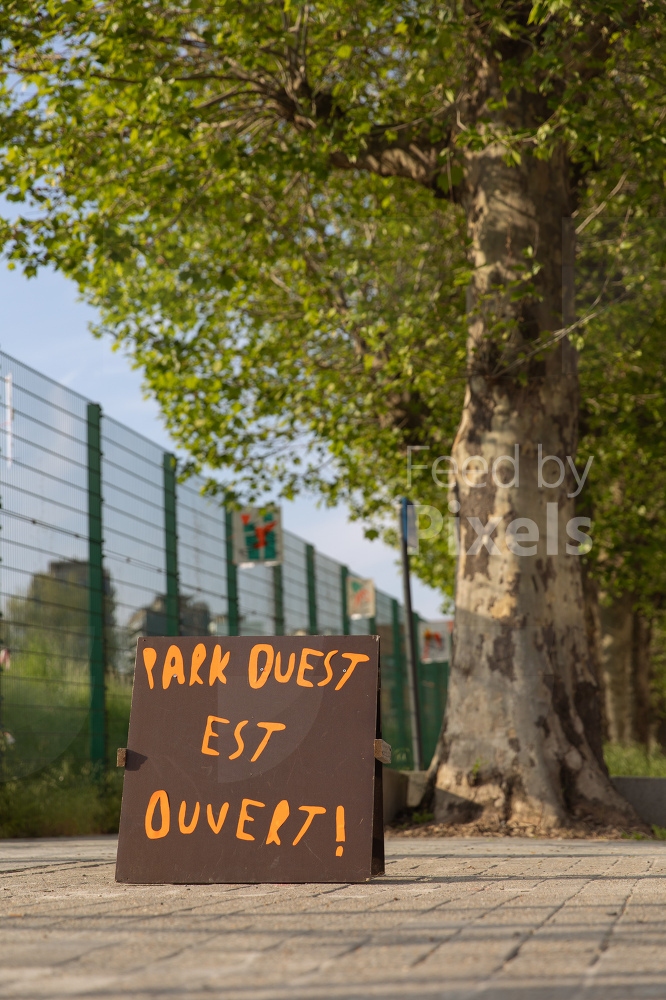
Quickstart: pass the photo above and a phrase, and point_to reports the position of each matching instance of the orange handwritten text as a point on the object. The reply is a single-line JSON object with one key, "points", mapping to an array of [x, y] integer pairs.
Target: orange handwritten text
{"points": [[329, 669], [217, 666], [264, 662], [284, 677], [163, 799], [239, 740], [305, 665], [209, 734], [149, 657], [311, 811], [353, 658], [281, 815], [246, 818], [185, 828], [173, 667], [256, 676], [270, 727], [216, 826], [205, 748], [198, 656]]}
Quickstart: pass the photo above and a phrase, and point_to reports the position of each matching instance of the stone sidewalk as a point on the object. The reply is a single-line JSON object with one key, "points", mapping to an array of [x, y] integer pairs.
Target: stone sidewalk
{"points": [[485, 918]]}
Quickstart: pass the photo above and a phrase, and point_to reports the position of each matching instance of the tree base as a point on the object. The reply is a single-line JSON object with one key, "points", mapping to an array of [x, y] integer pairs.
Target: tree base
{"points": [[577, 830]]}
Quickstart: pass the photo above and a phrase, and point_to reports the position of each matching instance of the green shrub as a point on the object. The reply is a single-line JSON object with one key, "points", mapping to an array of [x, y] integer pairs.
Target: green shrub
{"points": [[62, 797], [60, 802]]}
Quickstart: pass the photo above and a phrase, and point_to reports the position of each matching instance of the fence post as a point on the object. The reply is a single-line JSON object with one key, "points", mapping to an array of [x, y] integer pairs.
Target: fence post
{"points": [[312, 588], [233, 615], [96, 591], [344, 573], [278, 600], [401, 677], [425, 707], [172, 599]]}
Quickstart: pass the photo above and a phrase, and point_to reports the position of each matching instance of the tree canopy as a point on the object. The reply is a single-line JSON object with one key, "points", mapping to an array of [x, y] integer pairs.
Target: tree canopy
{"points": [[264, 201]]}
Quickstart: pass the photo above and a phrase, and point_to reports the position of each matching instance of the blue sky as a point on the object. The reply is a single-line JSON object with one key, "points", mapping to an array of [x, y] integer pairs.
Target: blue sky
{"points": [[44, 325]]}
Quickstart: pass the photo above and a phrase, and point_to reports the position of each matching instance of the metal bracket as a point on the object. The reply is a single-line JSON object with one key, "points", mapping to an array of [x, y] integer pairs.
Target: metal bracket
{"points": [[382, 751]]}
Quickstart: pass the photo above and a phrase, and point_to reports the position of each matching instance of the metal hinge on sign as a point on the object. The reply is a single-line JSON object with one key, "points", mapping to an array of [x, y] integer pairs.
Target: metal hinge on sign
{"points": [[382, 751]]}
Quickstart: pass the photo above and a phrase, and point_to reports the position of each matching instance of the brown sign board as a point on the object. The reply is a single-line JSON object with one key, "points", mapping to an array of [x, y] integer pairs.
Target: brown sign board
{"points": [[251, 759]]}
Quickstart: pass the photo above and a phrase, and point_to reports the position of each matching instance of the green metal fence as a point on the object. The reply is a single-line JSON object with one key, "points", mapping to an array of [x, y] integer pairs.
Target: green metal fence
{"points": [[100, 544]]}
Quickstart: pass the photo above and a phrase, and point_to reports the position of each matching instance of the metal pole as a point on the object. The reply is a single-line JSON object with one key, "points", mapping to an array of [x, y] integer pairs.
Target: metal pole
{"points": [[398, 688], [171, 597], [96, 592], [312, 588], [278, 600], [410, 643], [344, 573], [233, 611]]}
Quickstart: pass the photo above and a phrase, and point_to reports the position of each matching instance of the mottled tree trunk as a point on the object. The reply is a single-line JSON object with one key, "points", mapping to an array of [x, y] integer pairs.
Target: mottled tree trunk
{"points": [[522, 739]]}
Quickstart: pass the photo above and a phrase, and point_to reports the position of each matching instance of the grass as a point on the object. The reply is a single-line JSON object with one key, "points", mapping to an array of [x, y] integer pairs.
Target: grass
{"points": [[636, 761], [423, 817]]}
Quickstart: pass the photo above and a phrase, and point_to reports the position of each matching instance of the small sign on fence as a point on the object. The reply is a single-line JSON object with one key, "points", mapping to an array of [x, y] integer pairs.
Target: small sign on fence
{"points": [[360, 598], [252, 760], [435, 641], [257, 536]]}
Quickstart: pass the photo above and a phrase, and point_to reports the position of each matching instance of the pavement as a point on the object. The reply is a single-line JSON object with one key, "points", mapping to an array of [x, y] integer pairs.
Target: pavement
{"points": [[490, 919]]}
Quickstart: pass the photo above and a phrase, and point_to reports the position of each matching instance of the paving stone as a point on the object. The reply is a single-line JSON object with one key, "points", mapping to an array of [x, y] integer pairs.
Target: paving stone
{"points": [[490, 919]]}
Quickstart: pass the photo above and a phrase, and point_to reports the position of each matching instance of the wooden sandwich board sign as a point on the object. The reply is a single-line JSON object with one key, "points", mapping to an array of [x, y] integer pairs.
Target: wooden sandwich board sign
{"points": [[253, 759]]}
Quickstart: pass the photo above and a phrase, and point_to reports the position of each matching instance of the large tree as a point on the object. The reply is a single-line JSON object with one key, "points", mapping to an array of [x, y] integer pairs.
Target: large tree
{"points": [[233, 184], [623, 414]]}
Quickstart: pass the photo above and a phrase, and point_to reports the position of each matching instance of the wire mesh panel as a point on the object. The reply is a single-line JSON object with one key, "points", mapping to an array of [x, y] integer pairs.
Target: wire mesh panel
{"points": [[202, 564], [433, 683], [44, 687], [133, 530], [256, 600], [295, 586], [134, 559], [360, 626], [75, 594], [328, 590], [396, 729]]}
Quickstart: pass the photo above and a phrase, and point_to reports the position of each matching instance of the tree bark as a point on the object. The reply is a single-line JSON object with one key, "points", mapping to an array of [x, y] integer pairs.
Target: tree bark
{"points": [[522, 739]]}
